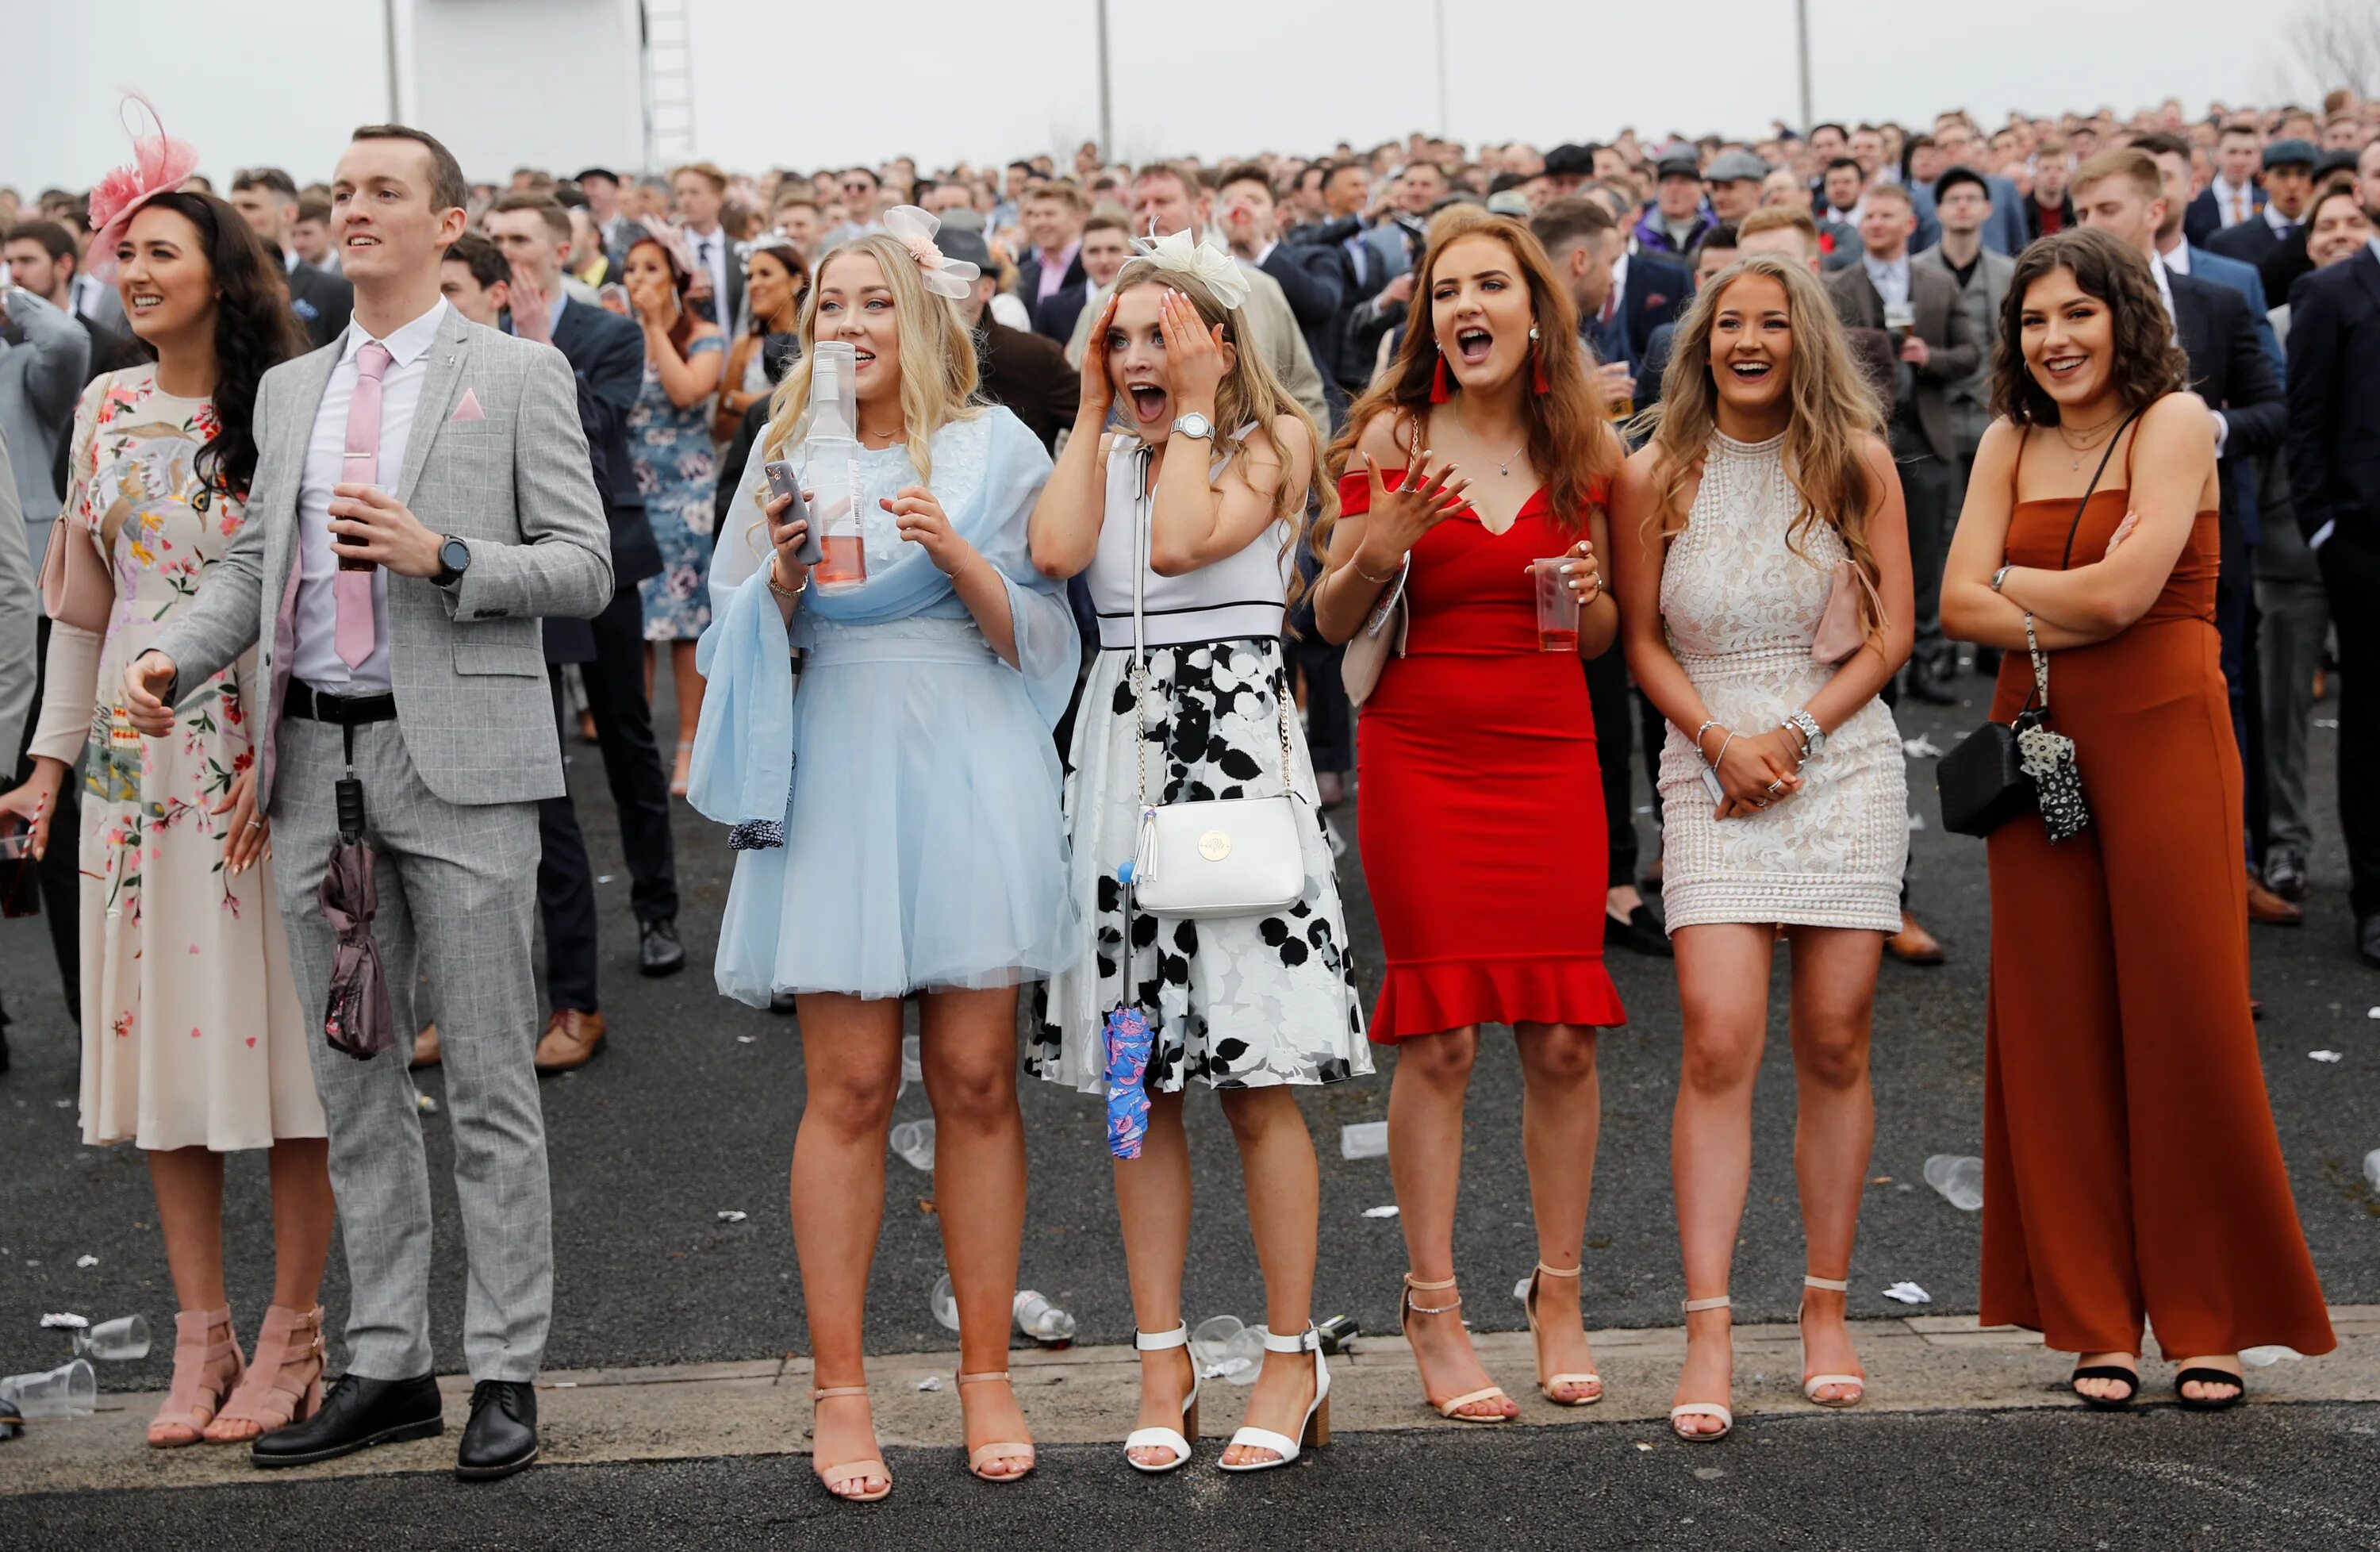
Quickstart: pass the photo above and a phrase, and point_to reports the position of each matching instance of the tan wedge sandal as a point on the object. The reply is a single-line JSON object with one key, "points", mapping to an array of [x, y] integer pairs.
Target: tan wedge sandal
{"points": [[206, 1366], [844, 1478], [1452, 1406], [1546, 1382]]}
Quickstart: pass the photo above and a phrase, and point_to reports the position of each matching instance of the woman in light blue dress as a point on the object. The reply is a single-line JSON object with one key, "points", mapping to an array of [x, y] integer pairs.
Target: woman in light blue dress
{"points": [[922, 850]]}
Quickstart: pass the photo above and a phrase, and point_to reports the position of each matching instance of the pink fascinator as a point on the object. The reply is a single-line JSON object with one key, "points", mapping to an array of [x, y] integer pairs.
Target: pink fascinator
{"points": [[914, 229], [160, 165]]}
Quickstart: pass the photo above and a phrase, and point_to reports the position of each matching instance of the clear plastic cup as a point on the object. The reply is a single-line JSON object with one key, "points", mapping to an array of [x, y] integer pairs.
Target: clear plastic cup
{"points": [[914, 1141], [115, 1341], [1557, 605], [1960, 1179], [944, 1303], [69, 1390], [1208, 1337]]}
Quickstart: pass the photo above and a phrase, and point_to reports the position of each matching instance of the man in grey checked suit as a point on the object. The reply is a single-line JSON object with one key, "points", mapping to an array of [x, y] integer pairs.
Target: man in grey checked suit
{"points": [[451, 455]]}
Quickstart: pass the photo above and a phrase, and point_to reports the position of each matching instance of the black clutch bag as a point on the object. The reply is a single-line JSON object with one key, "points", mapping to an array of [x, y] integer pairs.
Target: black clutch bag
{"points": [[1982, 781]]}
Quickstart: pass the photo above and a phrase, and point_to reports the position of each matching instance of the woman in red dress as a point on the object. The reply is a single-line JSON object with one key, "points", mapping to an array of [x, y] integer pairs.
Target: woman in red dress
{"points": [[1483, 447]]}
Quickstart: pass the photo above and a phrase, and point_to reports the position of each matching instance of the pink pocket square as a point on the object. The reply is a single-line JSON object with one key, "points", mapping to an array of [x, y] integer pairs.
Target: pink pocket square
{"points": [[469, 408]]}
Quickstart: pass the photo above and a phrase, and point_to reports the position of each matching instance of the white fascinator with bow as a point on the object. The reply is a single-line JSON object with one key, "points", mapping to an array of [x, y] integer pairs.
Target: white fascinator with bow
{"points": [[914, 229], [1203, 260]]}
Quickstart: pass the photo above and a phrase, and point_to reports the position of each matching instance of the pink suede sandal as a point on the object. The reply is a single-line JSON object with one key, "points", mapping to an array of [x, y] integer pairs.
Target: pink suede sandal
{"points": [[206, 1365], [283, 1383]]}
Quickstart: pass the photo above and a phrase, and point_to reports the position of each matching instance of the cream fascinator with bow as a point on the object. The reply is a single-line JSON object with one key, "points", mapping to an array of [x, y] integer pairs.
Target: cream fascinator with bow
{"points": [[1204, 261]]}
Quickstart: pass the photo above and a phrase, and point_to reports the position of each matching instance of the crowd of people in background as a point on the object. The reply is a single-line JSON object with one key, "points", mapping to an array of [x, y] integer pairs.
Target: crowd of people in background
{"points": [[1844, 383]]}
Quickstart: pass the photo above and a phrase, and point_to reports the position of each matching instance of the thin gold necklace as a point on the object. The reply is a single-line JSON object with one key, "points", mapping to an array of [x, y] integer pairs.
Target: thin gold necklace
{"points": [[2091, 442]]}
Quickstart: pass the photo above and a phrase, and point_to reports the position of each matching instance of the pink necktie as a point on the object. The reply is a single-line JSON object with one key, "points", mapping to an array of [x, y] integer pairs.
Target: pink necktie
{"points": [[351, 592]]}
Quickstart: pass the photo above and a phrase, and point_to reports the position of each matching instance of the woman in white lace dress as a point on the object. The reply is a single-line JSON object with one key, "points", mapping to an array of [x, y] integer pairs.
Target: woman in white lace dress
{"points": [[1767, 489]]}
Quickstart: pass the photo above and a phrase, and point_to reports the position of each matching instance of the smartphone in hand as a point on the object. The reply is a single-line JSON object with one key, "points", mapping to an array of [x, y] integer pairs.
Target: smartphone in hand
{"points": [[783, 482]]}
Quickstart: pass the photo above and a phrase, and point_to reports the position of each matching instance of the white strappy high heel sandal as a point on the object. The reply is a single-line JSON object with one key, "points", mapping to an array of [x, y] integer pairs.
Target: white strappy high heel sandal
{"points": [[1812, 1384], [1166, 1439], [1704, 1409], [1314, 1432]]}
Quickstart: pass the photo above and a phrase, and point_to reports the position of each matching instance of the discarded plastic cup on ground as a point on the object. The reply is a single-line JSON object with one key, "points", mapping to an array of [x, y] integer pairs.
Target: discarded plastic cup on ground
{"points": [[1339, 1334], [944, 1303], [914, 1141], [115, 1341], [1043, 1319], [1960, 1181], [1242, 1356], [2265, 1357], [2372, 1169], [913, 1068], [1208, 1339], [1364, 1139], [69, 1390]]}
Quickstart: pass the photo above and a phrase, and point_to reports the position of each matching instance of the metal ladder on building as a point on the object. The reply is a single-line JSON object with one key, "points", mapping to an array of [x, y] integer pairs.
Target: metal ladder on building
{"points": [[668, 50]]}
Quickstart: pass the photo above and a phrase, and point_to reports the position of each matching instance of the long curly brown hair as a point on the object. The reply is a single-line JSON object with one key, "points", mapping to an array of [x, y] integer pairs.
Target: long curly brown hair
{"points": [[1571, 439], [1835, 411], [2148, 364]]}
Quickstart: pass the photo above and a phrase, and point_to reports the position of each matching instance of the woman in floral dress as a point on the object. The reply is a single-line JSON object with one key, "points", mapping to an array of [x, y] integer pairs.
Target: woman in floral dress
{"points": [[677, 469], [193, 1044]]}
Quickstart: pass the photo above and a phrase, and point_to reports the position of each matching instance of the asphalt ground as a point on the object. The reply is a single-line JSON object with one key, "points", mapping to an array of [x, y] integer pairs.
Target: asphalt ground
{"points": [[2293, 1477], [691, 1113]]}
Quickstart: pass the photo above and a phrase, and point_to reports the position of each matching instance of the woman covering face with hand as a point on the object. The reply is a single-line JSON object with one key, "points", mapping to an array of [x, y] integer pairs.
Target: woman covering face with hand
{"points": [[1188, 513], [921, 850]]}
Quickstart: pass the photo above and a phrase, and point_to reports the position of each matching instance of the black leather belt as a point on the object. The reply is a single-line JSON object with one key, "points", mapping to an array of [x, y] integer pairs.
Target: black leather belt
{"points": [[339, 711]]}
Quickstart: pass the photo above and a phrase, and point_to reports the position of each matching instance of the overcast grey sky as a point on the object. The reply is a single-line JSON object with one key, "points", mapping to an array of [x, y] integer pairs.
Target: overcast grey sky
{"points": [[804, 84]]}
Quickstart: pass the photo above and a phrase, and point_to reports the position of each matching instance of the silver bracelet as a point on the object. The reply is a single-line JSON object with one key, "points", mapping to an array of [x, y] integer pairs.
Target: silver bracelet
{"points": [[2000, 576], [1709, 723]]}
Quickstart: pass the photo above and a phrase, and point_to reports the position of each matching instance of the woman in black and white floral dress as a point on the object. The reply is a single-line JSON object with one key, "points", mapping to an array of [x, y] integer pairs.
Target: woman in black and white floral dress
{"points": [[1250, 1006]]}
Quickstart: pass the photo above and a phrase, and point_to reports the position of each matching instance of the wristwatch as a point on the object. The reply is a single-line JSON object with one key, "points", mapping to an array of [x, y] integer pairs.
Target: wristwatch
{"points": [[1813, 737], [454, 560], [1194, 425]]}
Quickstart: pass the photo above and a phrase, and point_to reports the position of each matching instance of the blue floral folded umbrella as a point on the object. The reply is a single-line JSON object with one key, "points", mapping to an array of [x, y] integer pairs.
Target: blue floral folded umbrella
{"points": [[1129, 1041]]}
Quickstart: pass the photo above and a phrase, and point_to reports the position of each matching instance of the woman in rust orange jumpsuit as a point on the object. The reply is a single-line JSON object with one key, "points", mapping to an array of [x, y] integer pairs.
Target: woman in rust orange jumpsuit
{"points": [[2132, 1169]]}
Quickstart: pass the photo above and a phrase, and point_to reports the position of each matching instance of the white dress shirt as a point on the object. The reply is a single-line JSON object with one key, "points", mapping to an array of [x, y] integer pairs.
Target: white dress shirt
{"points": [[1889, 278], [2227, 199], [711, 253], [315, 657], [2281, 225], [2165, 294]]}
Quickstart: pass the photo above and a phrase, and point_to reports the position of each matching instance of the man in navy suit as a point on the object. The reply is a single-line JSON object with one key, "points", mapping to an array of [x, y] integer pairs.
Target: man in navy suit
{"points": [[267, 198], [606, 356], [2233, 195], [2289, 187], [2172, 156], [1311, 277], [1050, 279], [1622, 297], [2334, 427], [2123, 191]]}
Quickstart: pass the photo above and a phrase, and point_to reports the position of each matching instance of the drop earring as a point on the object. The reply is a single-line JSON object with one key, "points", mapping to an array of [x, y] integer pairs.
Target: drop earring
{"points": [[1537, 362], [1438, 390]]}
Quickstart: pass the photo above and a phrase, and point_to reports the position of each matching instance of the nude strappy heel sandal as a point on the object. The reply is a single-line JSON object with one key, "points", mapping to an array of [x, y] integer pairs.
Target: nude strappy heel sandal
{"points": [[1451, 1407], [841, 1479], [1704, 1409], [268, 1395], [203, 1346], [1812, 1384], [1166, 1439], [1312, 1431], [1003, 1450], [1546, 1382]]}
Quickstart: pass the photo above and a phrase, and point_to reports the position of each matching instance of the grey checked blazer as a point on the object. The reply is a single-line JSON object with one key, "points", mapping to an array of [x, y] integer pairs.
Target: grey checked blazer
{"points": [[466, 663]]}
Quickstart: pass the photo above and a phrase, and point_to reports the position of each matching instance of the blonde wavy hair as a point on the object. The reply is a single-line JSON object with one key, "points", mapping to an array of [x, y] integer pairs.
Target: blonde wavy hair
{"points": [[1835, 411], [938, 367], [1250, 394]]}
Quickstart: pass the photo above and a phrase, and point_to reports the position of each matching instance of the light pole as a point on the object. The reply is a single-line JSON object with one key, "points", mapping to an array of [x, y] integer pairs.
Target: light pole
{"points": [[1438, 9], [1106, 121], [388, 35], [1802, 59]]}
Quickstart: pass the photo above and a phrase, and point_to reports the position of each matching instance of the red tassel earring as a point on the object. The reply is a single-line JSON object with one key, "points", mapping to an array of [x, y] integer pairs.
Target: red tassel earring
{"points": [[1438, 391], [1537, 363]]}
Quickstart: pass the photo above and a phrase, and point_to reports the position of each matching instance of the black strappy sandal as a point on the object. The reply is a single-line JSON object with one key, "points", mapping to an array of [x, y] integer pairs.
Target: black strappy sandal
{"points": [[2210, 1377], [2106, 1371]]}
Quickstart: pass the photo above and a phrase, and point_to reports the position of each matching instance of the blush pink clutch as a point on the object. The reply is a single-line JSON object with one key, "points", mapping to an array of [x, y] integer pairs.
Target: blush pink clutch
{"points": [[1840, 633]]}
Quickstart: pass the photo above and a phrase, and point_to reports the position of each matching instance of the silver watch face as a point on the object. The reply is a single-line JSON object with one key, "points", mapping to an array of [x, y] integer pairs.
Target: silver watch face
{"points": [[1194, 425]]}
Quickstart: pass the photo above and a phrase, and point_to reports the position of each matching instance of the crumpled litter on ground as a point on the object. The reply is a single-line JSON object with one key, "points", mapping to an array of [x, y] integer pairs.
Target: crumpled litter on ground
{"points": [[1909, 1294]]}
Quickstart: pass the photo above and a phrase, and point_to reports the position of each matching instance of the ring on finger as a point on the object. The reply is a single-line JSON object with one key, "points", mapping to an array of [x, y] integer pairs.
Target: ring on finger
{"points": [[1777, 787]]}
